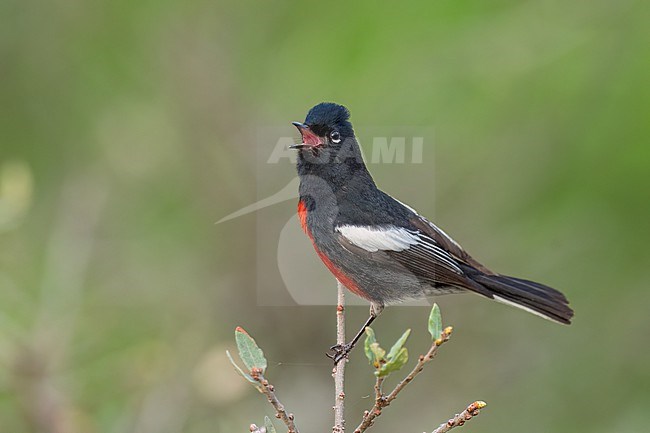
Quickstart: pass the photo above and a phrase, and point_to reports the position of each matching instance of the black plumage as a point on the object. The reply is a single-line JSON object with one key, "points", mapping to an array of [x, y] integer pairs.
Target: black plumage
{"points": [[378, 247]]}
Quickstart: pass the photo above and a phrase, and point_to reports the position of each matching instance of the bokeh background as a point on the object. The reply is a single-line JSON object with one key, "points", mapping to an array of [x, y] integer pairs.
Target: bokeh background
{"points": [[128, 128]]}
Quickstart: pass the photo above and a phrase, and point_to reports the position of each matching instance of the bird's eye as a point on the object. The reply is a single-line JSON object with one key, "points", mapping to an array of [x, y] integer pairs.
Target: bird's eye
{"points": [[335, 136]]}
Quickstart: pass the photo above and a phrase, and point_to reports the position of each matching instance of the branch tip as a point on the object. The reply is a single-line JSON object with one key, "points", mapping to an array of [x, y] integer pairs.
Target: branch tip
{"points": [[478, 404], [461, 418], [444, 336]]}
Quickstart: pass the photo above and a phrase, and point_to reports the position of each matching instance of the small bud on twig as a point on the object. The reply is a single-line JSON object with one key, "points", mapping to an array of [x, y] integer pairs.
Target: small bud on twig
{"points": [[461, 418]]}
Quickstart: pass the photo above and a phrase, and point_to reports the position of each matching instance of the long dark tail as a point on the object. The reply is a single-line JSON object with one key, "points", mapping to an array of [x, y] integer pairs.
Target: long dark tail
{"points": [[533, 297]]}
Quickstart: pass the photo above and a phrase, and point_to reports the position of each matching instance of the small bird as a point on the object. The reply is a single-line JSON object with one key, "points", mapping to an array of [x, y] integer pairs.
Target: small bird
{"points": [[381, 249]]}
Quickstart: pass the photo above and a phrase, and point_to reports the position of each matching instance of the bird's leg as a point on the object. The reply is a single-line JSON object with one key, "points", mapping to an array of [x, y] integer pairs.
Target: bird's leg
{"points": [[341, 351]]}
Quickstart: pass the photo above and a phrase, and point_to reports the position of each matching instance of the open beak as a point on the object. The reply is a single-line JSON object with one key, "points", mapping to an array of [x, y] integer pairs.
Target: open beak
{"points": [[309, 139]]}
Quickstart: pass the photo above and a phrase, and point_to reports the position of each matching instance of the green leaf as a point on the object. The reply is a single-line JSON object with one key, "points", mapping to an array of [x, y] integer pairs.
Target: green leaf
{"points": [[378, 353], [435, 322], [398, 345], [375, 354], [370, 339], [241, 372], [249, 351], [395, 364], [269, 425]]}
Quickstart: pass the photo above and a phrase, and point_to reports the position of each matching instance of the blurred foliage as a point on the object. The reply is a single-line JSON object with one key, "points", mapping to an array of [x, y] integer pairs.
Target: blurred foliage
{"points": [[126, 131]]}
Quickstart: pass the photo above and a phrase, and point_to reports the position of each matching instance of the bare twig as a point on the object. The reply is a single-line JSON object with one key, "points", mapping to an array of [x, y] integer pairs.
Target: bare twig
{"points": [[269, 391], [339, 369], [378, 393], [460, 418], [381, 400]]}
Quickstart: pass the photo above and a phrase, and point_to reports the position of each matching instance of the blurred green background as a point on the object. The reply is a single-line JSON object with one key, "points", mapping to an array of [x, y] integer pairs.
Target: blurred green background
{"points": [[128, 128]]}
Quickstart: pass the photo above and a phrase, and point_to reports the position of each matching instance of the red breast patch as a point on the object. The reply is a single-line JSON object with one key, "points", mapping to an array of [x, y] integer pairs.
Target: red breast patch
{"points": [[338, 273], [302, 216]]}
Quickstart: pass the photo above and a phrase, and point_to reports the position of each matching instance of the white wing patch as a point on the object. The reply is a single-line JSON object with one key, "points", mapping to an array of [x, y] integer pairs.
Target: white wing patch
{"points": [[373, 239], [392, 238]]}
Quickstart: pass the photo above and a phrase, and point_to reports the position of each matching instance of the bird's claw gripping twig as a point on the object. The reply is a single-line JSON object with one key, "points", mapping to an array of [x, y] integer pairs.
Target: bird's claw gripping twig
{"points": [[339, 352]]}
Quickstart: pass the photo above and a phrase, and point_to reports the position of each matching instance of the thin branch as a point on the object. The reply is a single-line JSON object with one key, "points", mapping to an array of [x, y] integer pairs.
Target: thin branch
{"points": [[382, 401], [269, 391], [378, 384], [339, 369], [461, 418]]}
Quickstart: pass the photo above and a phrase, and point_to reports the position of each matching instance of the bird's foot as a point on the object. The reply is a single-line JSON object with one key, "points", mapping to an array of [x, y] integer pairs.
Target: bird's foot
{"points": [[339, 352]]}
